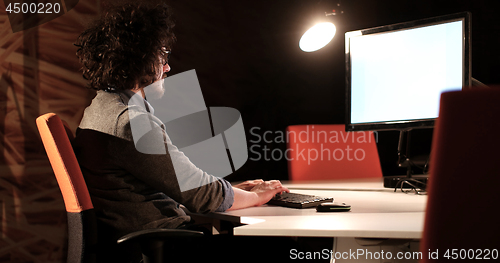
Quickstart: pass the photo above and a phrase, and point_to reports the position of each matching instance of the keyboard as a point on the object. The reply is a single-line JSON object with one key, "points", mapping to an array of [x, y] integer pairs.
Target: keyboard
{"points": [[298, 200]]}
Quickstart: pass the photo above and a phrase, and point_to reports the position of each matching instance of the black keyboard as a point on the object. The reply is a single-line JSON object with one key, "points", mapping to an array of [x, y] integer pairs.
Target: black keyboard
{"points": [[298, 200]]}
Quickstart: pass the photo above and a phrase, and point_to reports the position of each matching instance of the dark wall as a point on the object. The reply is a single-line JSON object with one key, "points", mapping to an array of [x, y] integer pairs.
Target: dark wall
{"points": [[246, 56]]}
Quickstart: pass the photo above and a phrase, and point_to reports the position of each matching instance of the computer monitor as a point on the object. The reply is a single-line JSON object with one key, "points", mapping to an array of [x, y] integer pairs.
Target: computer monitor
{"points": [[395, 74]]}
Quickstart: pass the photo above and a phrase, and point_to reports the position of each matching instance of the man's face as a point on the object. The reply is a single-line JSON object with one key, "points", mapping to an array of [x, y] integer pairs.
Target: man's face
{"points": [[156, 89]]}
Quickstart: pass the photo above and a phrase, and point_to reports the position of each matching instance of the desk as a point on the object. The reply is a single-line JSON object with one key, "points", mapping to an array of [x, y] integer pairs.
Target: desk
{"points": [[361, 184], [376, 212], [373, 215]]}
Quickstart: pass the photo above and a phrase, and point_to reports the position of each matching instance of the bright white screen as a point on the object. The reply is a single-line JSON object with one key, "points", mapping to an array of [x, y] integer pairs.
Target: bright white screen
{"points": [[401, 75]]}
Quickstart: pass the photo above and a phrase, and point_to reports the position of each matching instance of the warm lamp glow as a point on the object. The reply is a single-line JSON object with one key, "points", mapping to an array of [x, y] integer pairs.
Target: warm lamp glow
{"points": [[317, 37]]}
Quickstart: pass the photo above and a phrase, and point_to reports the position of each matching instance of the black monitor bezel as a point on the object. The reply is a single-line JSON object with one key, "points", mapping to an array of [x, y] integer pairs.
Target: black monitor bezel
{"points": [[407, 124]]}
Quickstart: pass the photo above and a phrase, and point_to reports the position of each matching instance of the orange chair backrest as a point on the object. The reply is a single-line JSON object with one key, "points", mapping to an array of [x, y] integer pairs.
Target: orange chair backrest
{"points": [[64, 163], [325, 152], [463, 197]]}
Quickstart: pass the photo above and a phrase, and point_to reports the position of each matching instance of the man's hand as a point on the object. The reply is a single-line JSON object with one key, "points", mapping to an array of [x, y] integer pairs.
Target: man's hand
{"points": [[266, 190], [248, 185], [259, 194]]}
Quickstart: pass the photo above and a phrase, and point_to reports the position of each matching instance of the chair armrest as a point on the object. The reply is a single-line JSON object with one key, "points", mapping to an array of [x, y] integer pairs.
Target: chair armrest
{"points": [[158, 233], [152, 241]]}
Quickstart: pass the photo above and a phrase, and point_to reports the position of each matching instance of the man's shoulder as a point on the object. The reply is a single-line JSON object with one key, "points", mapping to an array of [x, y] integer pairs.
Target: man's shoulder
{"points": [[104, 113], [111, 113]]}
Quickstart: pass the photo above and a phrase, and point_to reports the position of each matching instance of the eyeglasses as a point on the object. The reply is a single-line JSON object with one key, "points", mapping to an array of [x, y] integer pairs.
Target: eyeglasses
{"points": [[166, 56], [414, 186]]}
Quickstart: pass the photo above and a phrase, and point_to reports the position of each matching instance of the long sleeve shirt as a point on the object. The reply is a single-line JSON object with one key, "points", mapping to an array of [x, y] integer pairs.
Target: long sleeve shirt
{"points": [[131, 190]]}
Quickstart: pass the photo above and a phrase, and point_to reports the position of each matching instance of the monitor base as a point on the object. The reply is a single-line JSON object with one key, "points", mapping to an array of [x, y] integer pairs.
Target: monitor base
{"points": [[396, 181]]}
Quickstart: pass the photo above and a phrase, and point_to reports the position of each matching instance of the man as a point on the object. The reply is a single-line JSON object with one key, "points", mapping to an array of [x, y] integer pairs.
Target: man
{"points": [[122, 53]]}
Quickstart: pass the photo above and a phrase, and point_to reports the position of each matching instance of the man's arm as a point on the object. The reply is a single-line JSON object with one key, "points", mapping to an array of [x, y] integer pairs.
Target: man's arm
{"points": [[258, 195]]}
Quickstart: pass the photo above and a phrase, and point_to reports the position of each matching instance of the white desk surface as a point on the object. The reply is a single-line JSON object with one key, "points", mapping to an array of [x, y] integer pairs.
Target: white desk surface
{"points": [[375, 213], [362, 184]]}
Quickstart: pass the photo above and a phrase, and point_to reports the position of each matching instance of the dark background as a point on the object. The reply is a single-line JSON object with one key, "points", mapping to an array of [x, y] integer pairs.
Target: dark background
{"points": [[246, 56]]}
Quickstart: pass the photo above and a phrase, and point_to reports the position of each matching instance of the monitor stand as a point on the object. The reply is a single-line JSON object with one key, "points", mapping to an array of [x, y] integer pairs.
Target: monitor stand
{"points": [[411, 181]]}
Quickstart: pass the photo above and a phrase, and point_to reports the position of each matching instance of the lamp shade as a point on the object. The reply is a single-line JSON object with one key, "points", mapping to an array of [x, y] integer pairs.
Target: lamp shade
{"points": [[317, 37]]}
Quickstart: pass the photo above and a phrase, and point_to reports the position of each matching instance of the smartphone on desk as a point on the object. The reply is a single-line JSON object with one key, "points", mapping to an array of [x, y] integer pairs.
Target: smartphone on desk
{"points": [[333, 207]]}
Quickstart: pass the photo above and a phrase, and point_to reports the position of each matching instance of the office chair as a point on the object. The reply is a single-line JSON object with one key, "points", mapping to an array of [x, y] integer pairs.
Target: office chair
{"points": [[463, 198], [325, 152], [83, 246]]}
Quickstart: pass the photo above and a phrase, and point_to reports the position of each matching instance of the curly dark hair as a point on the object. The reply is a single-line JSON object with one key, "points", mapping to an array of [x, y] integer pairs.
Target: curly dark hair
{"points": [[125, 47]]}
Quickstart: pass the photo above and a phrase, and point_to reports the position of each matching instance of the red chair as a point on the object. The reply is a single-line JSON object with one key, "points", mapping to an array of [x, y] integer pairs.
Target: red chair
{"points": [[82, 228], [461, 219], [325, 152]]}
